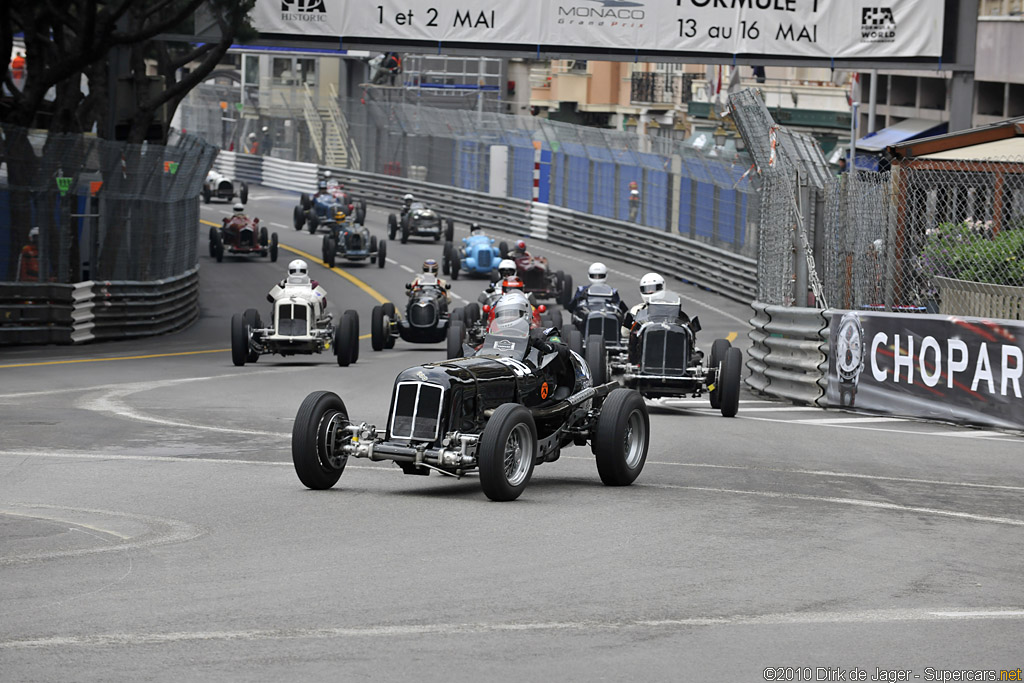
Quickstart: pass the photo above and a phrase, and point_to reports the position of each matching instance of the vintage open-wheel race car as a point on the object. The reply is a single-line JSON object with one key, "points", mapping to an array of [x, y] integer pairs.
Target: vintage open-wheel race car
{"points": [[242, 236], [498, 414], [219, 186], [419, 220]]}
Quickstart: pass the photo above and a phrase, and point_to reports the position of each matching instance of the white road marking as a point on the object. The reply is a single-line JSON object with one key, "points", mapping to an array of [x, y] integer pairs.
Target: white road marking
{"points": [[460, 629], [406, 268], [391, 261], [850, 420], [460, 298], [856, 502], [283, 227], [978, 433]]}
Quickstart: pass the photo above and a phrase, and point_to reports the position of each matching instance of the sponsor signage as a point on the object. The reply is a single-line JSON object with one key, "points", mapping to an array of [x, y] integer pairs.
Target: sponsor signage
{"points": [[930, 366], [825, 29]]}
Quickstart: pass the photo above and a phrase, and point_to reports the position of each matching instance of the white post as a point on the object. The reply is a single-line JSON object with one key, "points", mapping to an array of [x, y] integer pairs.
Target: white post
{"points": [[853, 139], [872, 100]]}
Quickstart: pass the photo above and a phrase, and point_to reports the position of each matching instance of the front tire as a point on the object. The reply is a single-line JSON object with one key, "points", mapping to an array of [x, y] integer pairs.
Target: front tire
{"points": [[597, 359], [298, 217], [718, 350], [575, 340], [622, 438], [273, 247], [565, 296], [243, 194], [377, 331], [508, 450], [343, 335], [382, 253], [732, 366], [315, 435], [253, 322], [239, 340], [218, 248], [392, 226], [449, 232]]}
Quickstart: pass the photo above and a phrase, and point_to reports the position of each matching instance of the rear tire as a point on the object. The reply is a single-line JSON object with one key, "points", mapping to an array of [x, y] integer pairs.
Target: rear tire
{"points": [[305, 201], [206, 194], [311, 225], [273, 247], [392, 226], [565, 297], [454, 266], [373, 248], [218, 248], [405, 232], [319, 418], [622, 438], [382, 253], [597, 359], [213, 242], [718, 350], [343, 340], [446, 258], [298, 217], [239, 340], [389, 311], [456, 335], [354, 315], [264, 237], [471, 313], [508, 450], [330, 253], [361, 213], [243, 194], [449, 233], [732, 366], [503, 248]]}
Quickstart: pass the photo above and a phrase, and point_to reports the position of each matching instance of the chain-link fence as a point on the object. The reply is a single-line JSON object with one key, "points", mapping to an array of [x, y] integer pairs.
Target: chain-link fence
{"points": [[74, 207], [678, 187], [935, 235]]}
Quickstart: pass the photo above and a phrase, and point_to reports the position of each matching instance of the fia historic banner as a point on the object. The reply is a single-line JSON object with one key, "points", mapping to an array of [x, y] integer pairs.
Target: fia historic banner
{"points": [[931, 366], [822, 29]]}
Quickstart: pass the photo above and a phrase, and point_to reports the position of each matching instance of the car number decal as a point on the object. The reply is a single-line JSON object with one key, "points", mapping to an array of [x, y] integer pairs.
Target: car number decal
{"points": [[520, 368], [544, 390]]}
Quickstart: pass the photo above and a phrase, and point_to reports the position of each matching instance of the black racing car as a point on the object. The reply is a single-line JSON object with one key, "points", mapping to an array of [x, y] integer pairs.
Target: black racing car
{"points": [[353, 243], [426, 317], [662, 358], [419, 221], [499, 413], [600, 312]]}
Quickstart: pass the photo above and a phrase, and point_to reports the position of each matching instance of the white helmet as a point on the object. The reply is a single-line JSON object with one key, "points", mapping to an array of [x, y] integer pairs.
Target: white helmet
{"points": [[298, 267], [651, 284], [265, 129], [598, 273], [238, 207], [327, 174], [407, 198], [507, 268], [252, 136], [33, 233]]}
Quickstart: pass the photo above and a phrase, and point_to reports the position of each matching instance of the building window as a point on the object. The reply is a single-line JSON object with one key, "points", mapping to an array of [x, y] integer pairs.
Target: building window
{"points": [[252, 70]]}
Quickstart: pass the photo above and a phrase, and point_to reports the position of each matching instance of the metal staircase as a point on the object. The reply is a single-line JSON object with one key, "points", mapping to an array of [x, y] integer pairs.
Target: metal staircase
{"points": [[329, 131]]}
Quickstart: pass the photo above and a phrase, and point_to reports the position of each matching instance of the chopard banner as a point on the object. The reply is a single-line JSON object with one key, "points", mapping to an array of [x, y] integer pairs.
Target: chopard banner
{"points": [[966, 370], [826, 29]]}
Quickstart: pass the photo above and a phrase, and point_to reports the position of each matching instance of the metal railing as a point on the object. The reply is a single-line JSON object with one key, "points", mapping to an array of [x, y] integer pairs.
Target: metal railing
{"points": [[788, 354], [313, 121]]}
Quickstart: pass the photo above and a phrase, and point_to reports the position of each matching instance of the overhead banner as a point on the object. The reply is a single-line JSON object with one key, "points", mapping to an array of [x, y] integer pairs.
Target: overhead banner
{"points": [[824, 29], [966, 370]]}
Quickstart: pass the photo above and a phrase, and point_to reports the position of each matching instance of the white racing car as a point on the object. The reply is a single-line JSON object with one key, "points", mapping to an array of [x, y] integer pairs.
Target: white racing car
{"points": [[299, 325], [219, 186]]}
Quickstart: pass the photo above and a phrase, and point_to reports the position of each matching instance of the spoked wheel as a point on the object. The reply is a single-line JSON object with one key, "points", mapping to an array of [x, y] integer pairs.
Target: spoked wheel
{"points": [[508, 448], [253, 322], [318, 435], [622, 437], [729, 382], [718, 350]]}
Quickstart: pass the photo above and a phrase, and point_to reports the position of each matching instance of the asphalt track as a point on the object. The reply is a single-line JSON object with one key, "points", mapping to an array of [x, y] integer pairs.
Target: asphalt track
{"points": [[152, 527]]}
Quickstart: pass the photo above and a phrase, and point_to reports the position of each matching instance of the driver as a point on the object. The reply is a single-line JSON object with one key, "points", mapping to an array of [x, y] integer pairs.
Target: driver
{"points": [[652, 289], [598, 275], [506, 269], [514, 284], [518, 251], [406, 204], [429, 278], [475, 229], [298, 276]]}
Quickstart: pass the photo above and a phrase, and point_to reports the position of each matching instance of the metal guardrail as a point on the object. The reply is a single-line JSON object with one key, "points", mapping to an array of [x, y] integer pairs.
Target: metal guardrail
{"points": [[109, 310], [35, 313], [787, 357], [688, 260]]}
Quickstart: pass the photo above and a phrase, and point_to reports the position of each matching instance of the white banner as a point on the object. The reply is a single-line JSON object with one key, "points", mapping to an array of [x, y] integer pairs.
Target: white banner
{"points": [[824, 29]]}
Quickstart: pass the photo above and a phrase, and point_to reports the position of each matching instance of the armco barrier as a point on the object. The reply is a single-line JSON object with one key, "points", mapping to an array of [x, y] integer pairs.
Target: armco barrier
{"points": [[715, 269], [35, 313], [109, 310], [786, 355]]}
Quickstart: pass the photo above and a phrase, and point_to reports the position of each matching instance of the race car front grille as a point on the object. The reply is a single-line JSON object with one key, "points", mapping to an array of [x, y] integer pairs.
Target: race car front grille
{"points": [[483, 258], [421, 316], [416, 413], [607, 327], [291, 320], [665, 351], [246, 238]]}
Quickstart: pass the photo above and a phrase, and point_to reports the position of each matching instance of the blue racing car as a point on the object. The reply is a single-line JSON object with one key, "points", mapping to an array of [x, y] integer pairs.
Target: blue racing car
{"points": [[476, 255], [322, 208]]}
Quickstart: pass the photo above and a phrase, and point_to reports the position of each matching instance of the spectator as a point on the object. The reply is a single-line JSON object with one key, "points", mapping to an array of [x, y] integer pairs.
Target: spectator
{"points": [[267, 143], [28, 259], [842, 166], [18, 67]]}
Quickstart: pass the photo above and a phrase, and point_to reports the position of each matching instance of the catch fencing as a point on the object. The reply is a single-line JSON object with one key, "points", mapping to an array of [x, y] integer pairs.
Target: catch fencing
{"points": [[77, 209], [590, 170]]}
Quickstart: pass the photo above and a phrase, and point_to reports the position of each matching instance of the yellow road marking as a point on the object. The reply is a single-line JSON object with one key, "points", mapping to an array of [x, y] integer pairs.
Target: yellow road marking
{"points": [[97, 360], [731, 337], [351, 278]]}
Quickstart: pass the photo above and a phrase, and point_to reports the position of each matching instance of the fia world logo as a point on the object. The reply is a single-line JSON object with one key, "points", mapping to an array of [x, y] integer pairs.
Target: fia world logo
{"points": [[303, 10], [877, 25]]}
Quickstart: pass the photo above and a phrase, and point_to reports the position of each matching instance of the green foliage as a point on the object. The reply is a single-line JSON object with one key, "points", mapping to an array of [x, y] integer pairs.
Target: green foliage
{"points": [[972, 251]]}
